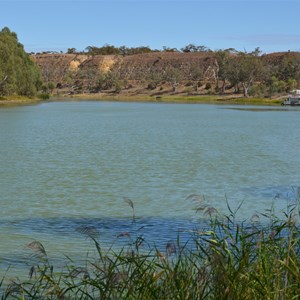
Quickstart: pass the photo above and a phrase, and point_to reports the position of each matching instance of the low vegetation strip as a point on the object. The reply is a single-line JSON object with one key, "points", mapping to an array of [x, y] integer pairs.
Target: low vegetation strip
{"points": [[229, 260], [200, 99]]}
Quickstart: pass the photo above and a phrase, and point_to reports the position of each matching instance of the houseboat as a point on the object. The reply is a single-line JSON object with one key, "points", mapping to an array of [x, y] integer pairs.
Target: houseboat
{"points": [[292, 100]]}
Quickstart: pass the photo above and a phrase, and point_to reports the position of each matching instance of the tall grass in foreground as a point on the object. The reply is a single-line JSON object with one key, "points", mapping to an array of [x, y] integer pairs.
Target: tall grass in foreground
{"points": [[228, 260]]}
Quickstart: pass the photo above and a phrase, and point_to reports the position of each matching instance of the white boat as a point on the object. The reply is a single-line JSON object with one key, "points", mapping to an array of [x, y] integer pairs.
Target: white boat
{"points": [[292, 100]]}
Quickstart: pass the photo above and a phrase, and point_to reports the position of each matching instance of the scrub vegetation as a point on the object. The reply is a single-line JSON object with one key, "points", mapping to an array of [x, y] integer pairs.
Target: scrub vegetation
{"points": [[226, 259], [190, 73]]}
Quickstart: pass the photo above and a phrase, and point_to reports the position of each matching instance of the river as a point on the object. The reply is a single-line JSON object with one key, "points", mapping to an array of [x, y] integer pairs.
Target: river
{"points": [[67, 167]]}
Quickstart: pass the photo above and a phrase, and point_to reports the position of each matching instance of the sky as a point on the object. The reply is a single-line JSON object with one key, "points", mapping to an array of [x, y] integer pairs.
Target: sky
{"points": [[54, 25]]}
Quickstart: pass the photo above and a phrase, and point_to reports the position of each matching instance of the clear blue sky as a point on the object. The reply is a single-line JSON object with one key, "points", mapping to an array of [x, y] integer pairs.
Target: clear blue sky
{"points": [[41, 25]]}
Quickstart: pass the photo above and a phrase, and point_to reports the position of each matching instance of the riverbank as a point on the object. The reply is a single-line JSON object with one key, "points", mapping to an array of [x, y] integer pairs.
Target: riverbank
{"points": [[18, 100], [167, 98], [204, 99]]}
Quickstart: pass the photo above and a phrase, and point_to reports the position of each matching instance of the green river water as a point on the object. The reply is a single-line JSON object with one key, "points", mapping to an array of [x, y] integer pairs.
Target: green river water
{"points": [[65, 166]]}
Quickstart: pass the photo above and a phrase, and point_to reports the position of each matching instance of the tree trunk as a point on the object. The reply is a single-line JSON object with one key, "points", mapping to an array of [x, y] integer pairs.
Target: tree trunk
{"points": [[4, 79], [246, 88], [174, 86], [223, 87]]}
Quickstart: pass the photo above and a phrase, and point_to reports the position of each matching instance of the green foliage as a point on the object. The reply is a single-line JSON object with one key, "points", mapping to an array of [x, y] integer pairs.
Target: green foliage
{"points": [[208, 86], [291, 84], [169, 49], [48, 87], [188, 89], [254, 259], [193, 48], [276, 85], [107, 81], [112, 50], [18, 73], [51, 86], [289, 68], [259, 90], [246, 70], [44, 96], [71, 50], [173, 76]]}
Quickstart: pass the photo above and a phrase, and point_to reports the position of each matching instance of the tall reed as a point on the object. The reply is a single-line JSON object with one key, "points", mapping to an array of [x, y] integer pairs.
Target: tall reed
{"points": [[228, 259]]}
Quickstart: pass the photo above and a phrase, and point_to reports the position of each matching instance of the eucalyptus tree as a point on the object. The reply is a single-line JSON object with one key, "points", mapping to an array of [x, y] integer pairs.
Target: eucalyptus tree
{"points": [[196, 74], [290, 68], [173, 75], [244, 69], [222, 63], [193, 48], [71, 51], [18, 72], [250, 71]]}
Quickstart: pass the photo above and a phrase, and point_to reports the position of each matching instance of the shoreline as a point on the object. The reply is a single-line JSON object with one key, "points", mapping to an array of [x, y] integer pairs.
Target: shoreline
{"points": [[180, 99], [18, 101], [184, 99]]}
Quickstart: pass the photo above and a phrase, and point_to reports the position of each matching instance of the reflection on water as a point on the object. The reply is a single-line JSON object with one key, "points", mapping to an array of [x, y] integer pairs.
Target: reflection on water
{"points": [[266, 109]]}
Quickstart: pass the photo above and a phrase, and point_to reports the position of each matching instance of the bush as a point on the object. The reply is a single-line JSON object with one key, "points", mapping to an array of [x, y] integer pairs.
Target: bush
{"points": [[44, 96], [208, 86], [259, 90], [151, 86], [189, 89]]}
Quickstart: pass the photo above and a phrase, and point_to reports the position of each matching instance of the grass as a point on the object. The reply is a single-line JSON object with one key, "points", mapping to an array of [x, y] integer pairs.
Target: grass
{"points": [[229, 259], [214, 99], [17, 100]]}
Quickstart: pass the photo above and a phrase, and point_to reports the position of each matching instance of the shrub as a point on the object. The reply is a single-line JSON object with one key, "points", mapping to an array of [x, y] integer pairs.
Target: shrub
{"points": [[44, 96], [208, 86]]}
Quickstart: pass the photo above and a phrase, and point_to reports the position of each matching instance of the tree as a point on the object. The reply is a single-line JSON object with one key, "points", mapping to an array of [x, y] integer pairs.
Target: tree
{"points": [[18, 72], [222, 63], [232, 70], [243, 69], [154, 79], [193, 48], [290, 68], [196, 74], [71, 51], [250, 70], [104, 50], [256, 52], [173, 75], [168, 49], [276, 86]]}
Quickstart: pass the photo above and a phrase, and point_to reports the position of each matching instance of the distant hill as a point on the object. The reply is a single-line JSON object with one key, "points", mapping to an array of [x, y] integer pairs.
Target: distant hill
{"points": [[168, 72]]}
